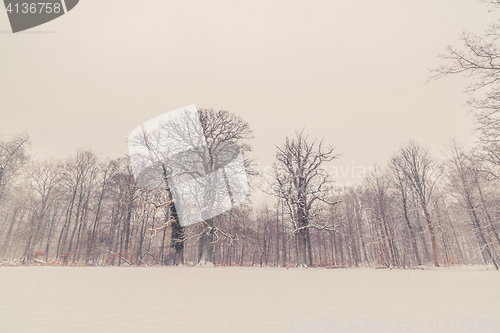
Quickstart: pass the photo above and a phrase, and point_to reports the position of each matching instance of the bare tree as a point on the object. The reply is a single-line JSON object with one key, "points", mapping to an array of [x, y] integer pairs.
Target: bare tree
{"points": [[420, 170], [302, 181], [44, 178], [463, 178], [78, 177], [402, 186], [479, 60], [192, 155], [224, 132], [380, 199], [13, 153], [106, 170]]}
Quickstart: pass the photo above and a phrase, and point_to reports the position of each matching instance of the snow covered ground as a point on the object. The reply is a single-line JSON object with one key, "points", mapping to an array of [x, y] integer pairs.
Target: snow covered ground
{"points": [[171, 299]]}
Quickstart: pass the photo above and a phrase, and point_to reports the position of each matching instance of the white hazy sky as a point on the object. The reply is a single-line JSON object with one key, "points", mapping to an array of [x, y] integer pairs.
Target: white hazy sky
{"points": [[350, 71]]}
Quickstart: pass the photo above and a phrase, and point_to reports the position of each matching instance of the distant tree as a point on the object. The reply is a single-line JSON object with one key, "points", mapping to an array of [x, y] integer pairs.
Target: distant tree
{"points": [[380, 200], [401, 184], [127, 194], [159, 179], [301, 180], [495, 4], [13, 154], [420, 170], [78, 178], [190, 157], [43, 180], [223, 131], [463, 178]]}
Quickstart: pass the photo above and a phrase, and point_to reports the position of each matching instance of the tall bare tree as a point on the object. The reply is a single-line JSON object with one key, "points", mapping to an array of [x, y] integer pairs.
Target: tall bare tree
{"points": [[78, 177], [193, 156], [420, 170], [302, 181], [380, 199], [44, 178]]}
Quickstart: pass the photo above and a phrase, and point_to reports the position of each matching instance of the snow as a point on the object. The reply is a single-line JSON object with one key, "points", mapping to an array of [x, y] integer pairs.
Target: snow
{"points": [[188, 299]]}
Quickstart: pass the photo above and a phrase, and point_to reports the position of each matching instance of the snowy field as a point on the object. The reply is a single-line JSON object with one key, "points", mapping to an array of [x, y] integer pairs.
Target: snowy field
{"points": [[171, 299]]}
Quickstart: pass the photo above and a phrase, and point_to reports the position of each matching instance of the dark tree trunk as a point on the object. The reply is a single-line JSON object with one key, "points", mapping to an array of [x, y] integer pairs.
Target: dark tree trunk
{"points": [[206, 246]]}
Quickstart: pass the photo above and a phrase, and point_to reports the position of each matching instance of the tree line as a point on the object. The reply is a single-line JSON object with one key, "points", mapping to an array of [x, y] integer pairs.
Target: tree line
{"points": [[415, 210]]}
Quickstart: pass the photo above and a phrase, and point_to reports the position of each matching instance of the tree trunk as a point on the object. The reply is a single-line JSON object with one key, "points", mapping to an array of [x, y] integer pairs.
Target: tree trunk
{"points": [[433, 237], [206, 246]]}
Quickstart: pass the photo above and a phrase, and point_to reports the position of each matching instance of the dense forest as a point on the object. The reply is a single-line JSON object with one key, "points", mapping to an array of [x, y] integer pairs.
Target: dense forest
{"points": [[415, 210]]}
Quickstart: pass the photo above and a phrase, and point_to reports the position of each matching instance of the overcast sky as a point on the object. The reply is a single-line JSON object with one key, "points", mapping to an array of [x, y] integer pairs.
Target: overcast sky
{"points": [[350, 71]]}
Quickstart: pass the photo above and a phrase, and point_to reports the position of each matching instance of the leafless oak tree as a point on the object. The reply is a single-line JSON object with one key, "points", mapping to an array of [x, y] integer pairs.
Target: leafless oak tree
{"points": [[302, 181], [463, 177]]}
